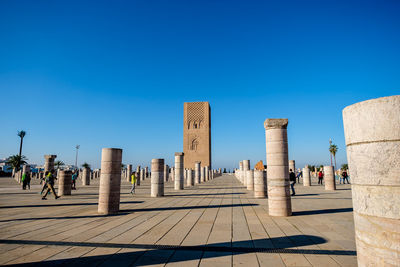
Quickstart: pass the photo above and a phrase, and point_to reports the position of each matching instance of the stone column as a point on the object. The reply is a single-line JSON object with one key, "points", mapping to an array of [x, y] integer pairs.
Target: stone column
{"points": [[197, 174], [86, 176], [250, 180], [110, 180], [206, 173], [172, 174], [166, 173], [202, 175], [128, 172], [212, 175], [306, 176], [179, 171], [246, 167], [157, 177], [241, 171], [141, 174], [64, 183], [329, 177], [279, 201], [190, 178], [138, 168], [260, 184], [292, 166], [49, 162], [372, 134]]}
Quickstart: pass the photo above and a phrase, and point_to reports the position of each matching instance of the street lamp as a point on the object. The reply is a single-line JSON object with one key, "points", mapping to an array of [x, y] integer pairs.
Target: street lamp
{"points": [[76, 156]]}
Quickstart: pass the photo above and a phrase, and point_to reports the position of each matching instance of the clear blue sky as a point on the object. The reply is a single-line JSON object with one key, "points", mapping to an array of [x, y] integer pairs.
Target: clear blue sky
{"points": [[116, 74]]}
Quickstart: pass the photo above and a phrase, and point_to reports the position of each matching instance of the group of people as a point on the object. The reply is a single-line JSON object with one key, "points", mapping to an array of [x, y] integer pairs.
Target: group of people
{"points": [[48, 183], [344, 177]]}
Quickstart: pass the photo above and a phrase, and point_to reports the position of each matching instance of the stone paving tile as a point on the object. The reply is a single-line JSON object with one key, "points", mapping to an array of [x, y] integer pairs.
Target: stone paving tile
{"points": [[217, 223]]}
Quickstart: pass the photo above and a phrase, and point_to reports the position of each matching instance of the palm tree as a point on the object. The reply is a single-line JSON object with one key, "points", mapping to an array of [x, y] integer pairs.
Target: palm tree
{"points": [[16, 161], [58, 164], [333, 149], [86, 165], [21, 134], [345, 166], [122, 166]]}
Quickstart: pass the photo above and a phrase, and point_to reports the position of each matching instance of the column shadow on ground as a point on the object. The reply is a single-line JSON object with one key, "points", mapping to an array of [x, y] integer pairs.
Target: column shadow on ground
{"points": [[63, 205], [325, 211], [160, 254], [128, 211], [205, 194]]}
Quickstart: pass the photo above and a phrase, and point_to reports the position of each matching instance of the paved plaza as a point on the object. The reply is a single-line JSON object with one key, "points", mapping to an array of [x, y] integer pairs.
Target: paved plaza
{"points": [[216, 223]]}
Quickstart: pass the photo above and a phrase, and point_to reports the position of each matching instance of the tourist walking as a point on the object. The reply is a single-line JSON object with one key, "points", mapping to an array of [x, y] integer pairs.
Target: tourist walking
{"points": [[133, 182], [300, 174], [345, 177], [74, 177], [50, 185], [320, 177], [44, 181], [26, 180], [292, 179]]}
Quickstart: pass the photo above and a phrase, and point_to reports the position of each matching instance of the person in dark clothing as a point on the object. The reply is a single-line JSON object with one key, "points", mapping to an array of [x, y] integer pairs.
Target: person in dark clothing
{"points": [[50, 185], [28, 180], [292, 179], [345, 177], [320, 177]]}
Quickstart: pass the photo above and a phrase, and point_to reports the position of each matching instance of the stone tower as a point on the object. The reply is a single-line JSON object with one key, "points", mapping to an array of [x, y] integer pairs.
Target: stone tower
{"points": [[197, 134]]}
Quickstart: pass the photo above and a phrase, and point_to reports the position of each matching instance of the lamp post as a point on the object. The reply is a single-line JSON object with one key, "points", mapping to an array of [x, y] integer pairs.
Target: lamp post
{"points": [[76, 156]]}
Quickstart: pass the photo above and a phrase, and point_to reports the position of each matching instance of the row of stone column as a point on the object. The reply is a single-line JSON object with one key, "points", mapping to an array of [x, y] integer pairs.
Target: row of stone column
{"points": [[254, 180]]}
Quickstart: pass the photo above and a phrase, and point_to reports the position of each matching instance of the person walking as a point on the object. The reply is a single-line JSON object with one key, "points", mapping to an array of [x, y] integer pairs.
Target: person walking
{"points": [[28, 180], [300, 174], [345, 177], [44, 181], [74, 177], [23, 180], [320, 177], [292, 179], [133, 182], [50, 185]]}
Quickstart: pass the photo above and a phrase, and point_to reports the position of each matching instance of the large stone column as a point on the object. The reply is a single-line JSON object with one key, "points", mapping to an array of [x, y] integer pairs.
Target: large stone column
{"points": [[64, 183], [141, 175], [190, 178], [279, 201], [197, 174], [138, 168], [292, 166], [250, 179], [246, 167], [260, 184], [49, 162], [166, 173], [172, 173], [202, 175], [241, 171], [128, 172], [110, 180], [86, 176], [206, 173], [306, 176], [157, 177], [179, 171], [329, 177], [372, 133]]}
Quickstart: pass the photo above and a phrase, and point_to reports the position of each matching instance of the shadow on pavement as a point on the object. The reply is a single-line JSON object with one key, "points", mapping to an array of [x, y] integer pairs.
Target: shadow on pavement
{"points": [[160, 254], [311, 212]]}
